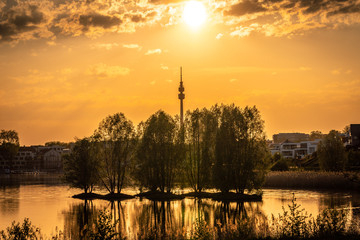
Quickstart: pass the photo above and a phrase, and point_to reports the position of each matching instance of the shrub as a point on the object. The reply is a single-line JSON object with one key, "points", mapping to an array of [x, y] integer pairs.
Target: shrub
{"points": [[104, 228], [26, 231]]}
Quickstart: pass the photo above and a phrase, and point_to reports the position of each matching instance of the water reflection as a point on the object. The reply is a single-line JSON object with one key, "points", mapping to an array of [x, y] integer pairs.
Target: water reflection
{"points": [[9, 200], [134, 218], [77, 217], [48, 204]]}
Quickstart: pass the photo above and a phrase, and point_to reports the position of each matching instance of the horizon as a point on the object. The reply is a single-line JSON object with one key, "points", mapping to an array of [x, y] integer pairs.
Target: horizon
{"points": [[66, 65]]}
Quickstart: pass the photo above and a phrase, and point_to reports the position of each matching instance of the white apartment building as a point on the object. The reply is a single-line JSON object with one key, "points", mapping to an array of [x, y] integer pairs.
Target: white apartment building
{"points": [[294, 150]]}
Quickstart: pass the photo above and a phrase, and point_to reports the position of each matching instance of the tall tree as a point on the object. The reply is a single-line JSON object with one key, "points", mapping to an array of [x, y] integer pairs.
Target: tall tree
{"points": [[81, 166], [116, 144], [241, 151], [331, 152], [201, 129], [159, 152], [9, 145]]}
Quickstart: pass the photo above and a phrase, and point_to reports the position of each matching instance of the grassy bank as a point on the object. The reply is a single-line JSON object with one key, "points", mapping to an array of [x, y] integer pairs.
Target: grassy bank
{"points": [[309, 180]]}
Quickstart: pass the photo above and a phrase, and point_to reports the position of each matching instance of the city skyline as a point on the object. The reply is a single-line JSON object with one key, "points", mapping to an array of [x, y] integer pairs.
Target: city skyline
{"points": [[66, 65]]}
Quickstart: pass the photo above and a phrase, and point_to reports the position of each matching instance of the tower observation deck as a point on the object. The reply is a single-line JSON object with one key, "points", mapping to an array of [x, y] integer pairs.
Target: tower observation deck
{"points": [[181, 96]]}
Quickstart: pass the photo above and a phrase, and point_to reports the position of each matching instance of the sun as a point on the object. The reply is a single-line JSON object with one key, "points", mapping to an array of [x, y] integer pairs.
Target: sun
{"points": [[194, 14]]}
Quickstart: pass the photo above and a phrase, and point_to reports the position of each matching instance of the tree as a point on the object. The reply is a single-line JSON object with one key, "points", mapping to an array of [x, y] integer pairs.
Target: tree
{"points": [[58, 143], [81, 166], [159, 152], [316, 135], [201, 129], [116, 144], [279, 163], [241, 150], [331, 152], [9, 145]]}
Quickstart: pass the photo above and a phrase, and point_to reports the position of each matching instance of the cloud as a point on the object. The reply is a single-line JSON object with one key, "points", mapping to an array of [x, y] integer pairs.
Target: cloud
{"points": [[107, 46], [48, 19], [104, 70], [289, 17], [305, 69], [245, 7], [98, 20], [244, 31], [153, 51], [19, 20], [132, 46], [335, 72], [220, 35], [163, 67]]}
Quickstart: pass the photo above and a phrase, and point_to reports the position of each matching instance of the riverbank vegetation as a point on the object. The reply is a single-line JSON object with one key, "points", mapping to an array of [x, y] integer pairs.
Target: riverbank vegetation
{"points": [[310, 180], [292, 223], [221, 148]]}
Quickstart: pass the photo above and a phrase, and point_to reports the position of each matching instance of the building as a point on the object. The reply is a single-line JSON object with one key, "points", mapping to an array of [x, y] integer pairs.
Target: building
{"points": [[355, 135], [290, 149], [35, 158]]}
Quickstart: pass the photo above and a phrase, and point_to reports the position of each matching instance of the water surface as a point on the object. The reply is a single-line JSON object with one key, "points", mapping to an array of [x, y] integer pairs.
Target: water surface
{"points": [[48, 203]]}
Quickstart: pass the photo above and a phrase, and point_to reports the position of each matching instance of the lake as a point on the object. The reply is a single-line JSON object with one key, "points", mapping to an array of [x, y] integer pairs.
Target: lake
{"points": [[47, 202]]}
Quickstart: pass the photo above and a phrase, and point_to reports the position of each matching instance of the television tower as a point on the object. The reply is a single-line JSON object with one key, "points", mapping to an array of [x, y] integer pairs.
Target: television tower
{"points": [[181, 96]]}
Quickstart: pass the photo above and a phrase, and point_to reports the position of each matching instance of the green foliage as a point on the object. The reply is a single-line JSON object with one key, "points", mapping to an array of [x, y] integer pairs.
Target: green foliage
{"points": [[279, 163], [58, 143], [316, 135], [9, 136], [116, 144], [25, 231], [201, 230], [241, 150], [200, 127], [81, 167], [9, 145], [295, 222], [331, 152], [104, 228], [353, 159], [159, 153], [331, 222]]}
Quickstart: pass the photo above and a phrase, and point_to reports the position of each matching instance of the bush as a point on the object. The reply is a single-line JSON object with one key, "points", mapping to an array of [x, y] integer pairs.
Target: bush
{"points": [[104, 228], [293, 223], [26, 231]]}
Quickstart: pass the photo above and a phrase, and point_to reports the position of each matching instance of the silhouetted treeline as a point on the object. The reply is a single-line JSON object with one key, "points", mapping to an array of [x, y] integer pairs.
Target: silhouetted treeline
{"points": [[222, 147]]}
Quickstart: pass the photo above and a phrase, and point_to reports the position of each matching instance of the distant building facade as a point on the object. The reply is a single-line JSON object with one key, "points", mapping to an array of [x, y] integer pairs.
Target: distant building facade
{"points": [[290, 149], [35, 158], [355, 135]]}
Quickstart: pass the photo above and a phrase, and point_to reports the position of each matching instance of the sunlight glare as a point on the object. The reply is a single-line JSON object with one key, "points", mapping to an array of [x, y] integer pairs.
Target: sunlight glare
{"points": [[194, 13]]}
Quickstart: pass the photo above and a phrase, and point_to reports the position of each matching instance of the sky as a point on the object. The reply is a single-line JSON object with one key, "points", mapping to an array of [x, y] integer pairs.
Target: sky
{"points": [[66, 65]]}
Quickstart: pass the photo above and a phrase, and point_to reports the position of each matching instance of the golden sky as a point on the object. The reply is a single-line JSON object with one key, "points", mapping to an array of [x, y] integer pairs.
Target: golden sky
{"points": [[65, 65]]}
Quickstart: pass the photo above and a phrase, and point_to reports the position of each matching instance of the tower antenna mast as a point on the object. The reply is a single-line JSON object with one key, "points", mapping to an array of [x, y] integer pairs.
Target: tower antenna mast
{"points": [[181, 96]]}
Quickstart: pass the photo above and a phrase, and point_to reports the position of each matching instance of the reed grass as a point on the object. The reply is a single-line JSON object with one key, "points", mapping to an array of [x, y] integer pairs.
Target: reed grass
{"points": [[309, 180]]}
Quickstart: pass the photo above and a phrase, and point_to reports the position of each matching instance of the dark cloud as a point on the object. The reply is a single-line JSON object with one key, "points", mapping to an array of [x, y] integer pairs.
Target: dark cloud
{"points": [[332, 7], [245, 7], [354, 8], [98, 20], [315, 6], [22, 22], [137, 18], [14, 22], [312, 6]]}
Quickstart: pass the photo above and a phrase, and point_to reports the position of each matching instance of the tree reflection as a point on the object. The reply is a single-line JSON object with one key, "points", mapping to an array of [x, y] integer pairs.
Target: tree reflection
{"points": [[159, 219], [9, 205], [77, 218]]}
